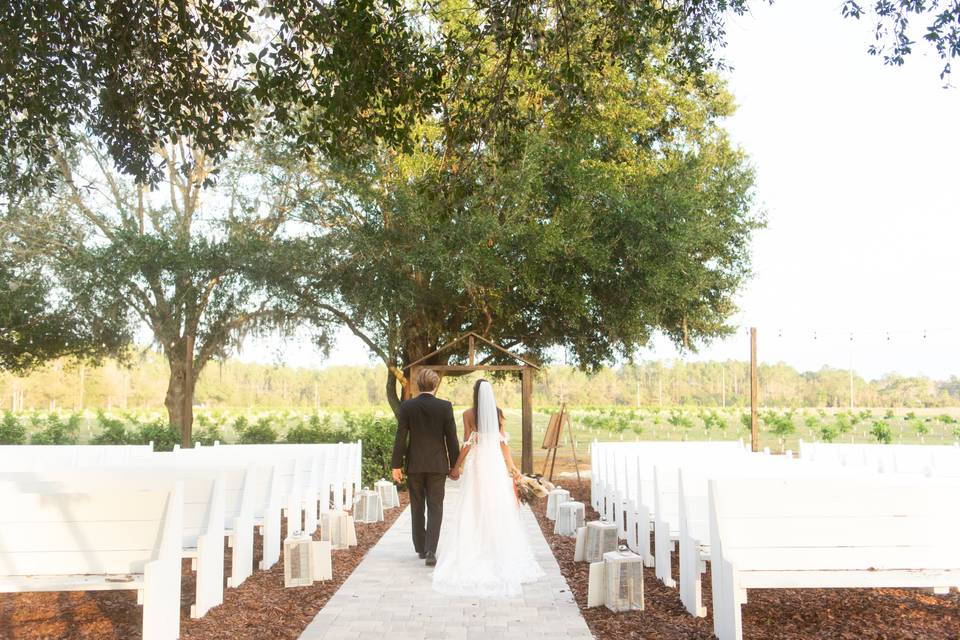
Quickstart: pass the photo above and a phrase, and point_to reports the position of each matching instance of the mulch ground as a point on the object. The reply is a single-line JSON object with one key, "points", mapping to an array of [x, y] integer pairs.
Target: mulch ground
{"points": [[770, 614], [260, 609]]}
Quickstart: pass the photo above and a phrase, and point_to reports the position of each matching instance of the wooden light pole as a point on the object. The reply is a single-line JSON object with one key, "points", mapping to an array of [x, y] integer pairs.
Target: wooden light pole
{"points": [[754, 435]]}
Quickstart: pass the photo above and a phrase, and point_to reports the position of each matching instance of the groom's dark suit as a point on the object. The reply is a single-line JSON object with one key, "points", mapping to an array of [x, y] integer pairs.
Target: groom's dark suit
{"points": [[427, 442]]}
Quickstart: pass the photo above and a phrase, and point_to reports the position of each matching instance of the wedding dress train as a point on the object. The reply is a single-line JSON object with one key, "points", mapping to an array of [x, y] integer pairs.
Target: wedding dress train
{"points": [[483, 549]]}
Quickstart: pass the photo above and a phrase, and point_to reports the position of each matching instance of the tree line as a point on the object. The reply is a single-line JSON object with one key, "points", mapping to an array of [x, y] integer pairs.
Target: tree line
{"points": [[237, 385]]}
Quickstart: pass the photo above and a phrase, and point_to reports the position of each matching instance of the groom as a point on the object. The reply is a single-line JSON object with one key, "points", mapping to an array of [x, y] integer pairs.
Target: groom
{"points": [[428, 423]]}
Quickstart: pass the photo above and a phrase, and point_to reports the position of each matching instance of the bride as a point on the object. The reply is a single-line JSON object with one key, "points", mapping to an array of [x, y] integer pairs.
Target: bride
{"points": [[484, 550]]}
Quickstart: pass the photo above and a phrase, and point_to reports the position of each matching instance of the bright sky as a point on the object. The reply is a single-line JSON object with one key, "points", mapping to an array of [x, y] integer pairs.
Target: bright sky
{"points": [[857, 172]]}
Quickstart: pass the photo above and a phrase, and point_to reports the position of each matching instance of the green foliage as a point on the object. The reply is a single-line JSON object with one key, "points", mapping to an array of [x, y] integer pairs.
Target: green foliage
{"points": [[842, 422], [946, 418], [163, 435], [828, 433], [112, 431], [563, 213], [37, 326], [377, 434], [746, 421], [956, 433], [58, 431], [894, 23], [920, 427], [812, 422], [889, 415], [780, 424], [207, 432], [260, 432], [309, 432], [881, 431], [680, 420], [11, 429]]}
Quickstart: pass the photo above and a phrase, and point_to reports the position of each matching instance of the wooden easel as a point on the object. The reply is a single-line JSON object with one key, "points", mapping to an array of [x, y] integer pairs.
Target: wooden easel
{"points": [[551, 442]]}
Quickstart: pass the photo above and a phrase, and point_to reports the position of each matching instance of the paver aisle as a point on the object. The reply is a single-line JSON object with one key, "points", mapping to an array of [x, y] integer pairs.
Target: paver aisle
{"points": [[389, 596]]}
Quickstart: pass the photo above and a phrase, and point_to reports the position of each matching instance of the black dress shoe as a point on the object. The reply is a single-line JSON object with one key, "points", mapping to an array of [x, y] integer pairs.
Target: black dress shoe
{"points": [[431, 559], [421, 554]]}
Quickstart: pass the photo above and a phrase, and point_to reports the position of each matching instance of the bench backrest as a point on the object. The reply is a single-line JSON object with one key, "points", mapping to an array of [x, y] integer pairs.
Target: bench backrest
{"points": [[38, 457], [879, 523], [115, 531], [627, 467], [199, 489]]}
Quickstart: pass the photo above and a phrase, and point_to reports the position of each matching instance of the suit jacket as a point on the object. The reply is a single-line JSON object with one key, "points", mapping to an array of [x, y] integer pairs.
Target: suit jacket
{"points": [[426, 436]]}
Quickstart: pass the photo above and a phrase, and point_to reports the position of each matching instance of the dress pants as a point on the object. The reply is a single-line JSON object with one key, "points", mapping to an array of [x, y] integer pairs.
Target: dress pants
{"points": [[426, 490]]}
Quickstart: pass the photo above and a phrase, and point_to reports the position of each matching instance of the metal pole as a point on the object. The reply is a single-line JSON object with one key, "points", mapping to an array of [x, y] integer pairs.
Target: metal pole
{"points": [[754, 435]]}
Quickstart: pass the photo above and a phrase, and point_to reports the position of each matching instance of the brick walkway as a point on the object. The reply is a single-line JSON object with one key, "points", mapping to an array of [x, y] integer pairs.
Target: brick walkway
{"points": [[389, 597]]}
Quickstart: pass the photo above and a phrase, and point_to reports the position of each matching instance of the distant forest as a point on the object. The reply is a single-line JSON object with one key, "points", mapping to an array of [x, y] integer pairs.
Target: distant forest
{"points": [[142, 383]]}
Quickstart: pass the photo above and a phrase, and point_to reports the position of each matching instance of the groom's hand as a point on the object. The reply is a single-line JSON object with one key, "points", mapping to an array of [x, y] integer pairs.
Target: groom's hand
{"points": [[398, 475], [454, 474]]}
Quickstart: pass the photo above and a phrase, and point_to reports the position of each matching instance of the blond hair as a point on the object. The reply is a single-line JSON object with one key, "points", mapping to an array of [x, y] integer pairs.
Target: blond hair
{"points": [[428, 380]]}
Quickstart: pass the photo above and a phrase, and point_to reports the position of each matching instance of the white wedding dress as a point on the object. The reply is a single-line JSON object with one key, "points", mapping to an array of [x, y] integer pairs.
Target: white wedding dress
{"points": [[483, 549]]}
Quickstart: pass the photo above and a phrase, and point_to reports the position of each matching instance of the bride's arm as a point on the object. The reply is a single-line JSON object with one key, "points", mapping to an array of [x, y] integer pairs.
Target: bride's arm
{"points": [[465, 449], [505, 449]]}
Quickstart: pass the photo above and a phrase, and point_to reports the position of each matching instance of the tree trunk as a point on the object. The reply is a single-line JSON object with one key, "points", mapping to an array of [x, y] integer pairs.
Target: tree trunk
{"points": [[179, 398], [393, 399]]}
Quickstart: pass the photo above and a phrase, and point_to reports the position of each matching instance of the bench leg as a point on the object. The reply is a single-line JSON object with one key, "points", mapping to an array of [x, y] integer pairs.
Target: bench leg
{"points": [[242, 552], [727, 616], [271, 538], [161, 599], [691, 570], [310, 514], [209, 574], [663, 550], [633, 530], [643, 530]]}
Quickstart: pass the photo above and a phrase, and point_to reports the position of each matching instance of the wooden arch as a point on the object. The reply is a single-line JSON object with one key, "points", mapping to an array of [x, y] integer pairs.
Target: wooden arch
{"points": [[522, 366]]}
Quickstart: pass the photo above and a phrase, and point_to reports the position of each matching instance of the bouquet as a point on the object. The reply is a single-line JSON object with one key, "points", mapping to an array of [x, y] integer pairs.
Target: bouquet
{"points": [[529, 488]]}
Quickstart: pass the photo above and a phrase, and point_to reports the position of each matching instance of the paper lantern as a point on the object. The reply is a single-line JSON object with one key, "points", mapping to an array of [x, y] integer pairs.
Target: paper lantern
{"points": [[367, 507], [556, 497], [305, 560], [624, 580], [388, 494], [337, 528], [570, 517], [601, 537]]}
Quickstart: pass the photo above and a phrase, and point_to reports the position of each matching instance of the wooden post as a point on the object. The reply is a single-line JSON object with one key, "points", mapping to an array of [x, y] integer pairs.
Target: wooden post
{"points": [[186, 429], [473, 348], [526, 392], [754, 435]]}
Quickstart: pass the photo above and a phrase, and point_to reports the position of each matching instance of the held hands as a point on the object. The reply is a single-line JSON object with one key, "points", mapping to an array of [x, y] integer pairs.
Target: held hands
{"points": [[454, 474], [398, 475]]}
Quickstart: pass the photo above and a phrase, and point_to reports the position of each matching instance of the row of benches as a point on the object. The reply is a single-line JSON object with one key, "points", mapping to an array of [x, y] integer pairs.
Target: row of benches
{"points": [[124, 518], [772, 522]]}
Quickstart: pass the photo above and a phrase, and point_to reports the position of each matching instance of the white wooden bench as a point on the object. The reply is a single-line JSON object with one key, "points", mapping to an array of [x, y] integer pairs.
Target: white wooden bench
{"points": [[622, 490], [202, 523], [828, 533], [248, 497], [694, 512], [119, 539]]}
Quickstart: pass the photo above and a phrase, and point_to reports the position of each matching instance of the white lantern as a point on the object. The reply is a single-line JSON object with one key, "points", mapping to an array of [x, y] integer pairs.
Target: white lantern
{"points": [[305, 560], [367, 507], [569, 518], [601, 537], [556, 497], [337, 528], [624, 580], [388, 494]]}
